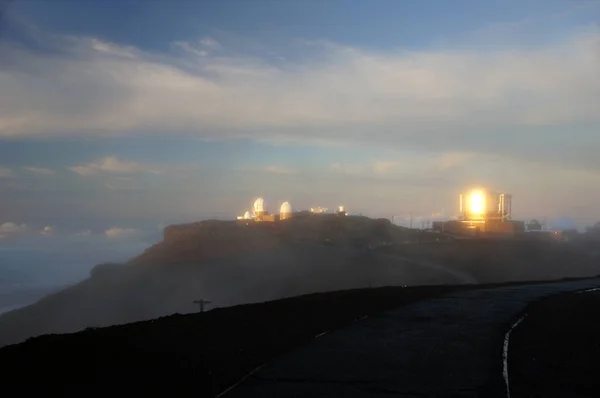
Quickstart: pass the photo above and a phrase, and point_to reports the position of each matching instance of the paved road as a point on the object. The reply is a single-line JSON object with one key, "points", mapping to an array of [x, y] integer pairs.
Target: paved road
{"points": [[450, 346], [461, 277]]}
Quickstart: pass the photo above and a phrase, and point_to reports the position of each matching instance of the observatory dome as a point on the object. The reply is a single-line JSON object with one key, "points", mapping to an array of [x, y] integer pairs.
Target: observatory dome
{"points": [[286, 207], [259, 205], [285, 211]]}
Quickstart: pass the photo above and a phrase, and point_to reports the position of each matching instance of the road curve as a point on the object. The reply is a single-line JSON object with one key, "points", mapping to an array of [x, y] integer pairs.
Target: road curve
{"points": [[461, 277], [450, 346]]}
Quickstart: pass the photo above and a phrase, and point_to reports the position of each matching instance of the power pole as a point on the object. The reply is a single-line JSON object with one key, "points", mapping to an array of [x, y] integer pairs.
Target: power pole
{"points": [[201, 303]]}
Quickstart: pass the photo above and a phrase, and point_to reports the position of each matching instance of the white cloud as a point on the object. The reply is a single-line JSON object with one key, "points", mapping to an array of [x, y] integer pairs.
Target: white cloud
{"points": [[122, 232], [47, 230], [273, 169], [209, 42], [10, 229], [187, 47], [200, 48], [112, 164], [385, 166], [473, 100], [39, 170], [5, 172]]}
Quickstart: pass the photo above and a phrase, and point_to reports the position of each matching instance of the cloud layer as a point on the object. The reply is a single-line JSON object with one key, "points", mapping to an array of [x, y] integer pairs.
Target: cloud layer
{"points": [[111, 164], [503, 100]]}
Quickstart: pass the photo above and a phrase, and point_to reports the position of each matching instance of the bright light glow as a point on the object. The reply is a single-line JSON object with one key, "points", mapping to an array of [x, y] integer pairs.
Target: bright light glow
{"points": [[477, 202]]}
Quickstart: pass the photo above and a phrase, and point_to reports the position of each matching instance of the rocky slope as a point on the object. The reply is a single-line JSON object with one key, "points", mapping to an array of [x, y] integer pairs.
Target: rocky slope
{"points": [[227, 263]]}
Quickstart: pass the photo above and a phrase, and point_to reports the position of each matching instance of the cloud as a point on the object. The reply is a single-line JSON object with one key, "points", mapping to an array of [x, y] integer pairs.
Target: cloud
{"points": [[485, 101], [39, 170], [209, 42], [200, 48], [112, 164], [273, 169], [6, 172], [119, 233], [47, 230], [385, 167], [10, 229], [419, 165]]}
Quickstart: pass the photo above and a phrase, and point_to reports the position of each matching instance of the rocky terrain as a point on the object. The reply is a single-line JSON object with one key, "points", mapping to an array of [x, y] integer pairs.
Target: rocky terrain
{"points": [[230, 263]]}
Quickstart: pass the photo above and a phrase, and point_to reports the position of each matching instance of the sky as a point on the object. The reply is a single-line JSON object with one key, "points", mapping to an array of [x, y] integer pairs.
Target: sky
{"points": [[124, 116]]}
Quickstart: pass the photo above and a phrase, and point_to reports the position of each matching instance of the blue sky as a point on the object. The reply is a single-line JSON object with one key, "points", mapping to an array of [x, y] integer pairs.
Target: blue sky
{"points": [[135, 114]]}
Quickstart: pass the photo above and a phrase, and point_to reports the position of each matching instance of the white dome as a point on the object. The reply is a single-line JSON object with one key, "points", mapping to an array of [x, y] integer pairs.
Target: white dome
{"points": [[247, 215], [259, 205], [286, 207]]}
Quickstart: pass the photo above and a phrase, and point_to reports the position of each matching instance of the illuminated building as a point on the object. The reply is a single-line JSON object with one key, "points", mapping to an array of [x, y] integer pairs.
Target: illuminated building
{"points": [[483, 205], [341, 211], [285, 211], [259, 209], [483, 211]]}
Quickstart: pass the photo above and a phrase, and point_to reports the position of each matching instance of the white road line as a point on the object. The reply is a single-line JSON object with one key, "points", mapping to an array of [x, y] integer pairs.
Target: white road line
{"points": [[322, 334], [240, 381], [505, 354], [594, 289]]}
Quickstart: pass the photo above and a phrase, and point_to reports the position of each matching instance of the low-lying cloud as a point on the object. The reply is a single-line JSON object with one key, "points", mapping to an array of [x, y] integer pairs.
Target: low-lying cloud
{"points": [[122, 232], [5, 172], [112, 164], [10, 229], [39, 170]]}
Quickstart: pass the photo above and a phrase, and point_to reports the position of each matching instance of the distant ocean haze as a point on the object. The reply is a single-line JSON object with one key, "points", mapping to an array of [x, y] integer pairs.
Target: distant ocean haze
{"points": [[28, 273]]}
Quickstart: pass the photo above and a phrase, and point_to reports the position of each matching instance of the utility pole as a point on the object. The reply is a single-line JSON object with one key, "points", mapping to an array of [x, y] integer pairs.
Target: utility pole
{"points": [[201, 303]]}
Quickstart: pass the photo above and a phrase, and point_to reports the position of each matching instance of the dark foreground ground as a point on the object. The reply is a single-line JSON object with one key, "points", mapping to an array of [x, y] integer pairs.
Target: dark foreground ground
{"points": [[198, 354], [555, 350]]}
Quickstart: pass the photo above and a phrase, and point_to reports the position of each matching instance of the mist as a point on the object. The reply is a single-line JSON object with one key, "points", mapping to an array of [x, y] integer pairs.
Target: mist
{"points": [[34, 265], [229, 264]]}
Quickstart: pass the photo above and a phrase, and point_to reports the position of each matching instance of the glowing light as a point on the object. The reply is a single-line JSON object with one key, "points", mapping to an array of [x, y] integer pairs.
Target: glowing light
{"points": [[477, 202]]}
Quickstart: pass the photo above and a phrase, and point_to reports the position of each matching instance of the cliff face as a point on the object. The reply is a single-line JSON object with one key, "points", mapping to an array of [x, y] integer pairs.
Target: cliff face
{"points": [[206, 240], [211, 239]]}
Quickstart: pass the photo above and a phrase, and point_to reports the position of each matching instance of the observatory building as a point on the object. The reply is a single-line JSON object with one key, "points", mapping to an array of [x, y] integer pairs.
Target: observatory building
{"points": [[259, 208], [341, 211], [483, 205], [260, 214], [483, 211], [285, 211]]}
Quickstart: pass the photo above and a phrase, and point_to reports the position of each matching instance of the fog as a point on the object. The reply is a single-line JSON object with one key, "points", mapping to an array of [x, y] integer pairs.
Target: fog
{"points": [[34, 265], [117, 293]]}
